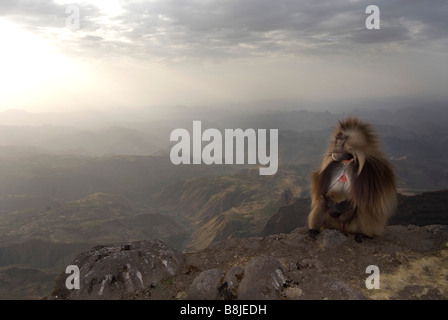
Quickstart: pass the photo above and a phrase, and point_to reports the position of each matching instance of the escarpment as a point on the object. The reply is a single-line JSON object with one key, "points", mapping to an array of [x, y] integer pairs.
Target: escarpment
{"points": [[411, 262]]}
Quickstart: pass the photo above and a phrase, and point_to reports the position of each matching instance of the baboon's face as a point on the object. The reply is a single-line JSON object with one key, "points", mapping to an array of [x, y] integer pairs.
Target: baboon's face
{"points": [[341, 149]]}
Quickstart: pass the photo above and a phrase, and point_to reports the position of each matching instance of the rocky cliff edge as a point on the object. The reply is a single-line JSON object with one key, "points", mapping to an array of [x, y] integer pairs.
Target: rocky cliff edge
{"points": [[408, 263]]}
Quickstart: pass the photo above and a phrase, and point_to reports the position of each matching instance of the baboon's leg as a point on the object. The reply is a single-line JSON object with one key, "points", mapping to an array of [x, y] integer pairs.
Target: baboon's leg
{"points": [[316, 217]]}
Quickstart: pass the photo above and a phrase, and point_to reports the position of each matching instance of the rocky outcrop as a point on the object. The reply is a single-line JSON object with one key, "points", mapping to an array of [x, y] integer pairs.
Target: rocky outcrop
{"points": [[286, 198], [264, 278], [231, 206], [120, 272], [409, 263], [287, 217], [421, 210]]}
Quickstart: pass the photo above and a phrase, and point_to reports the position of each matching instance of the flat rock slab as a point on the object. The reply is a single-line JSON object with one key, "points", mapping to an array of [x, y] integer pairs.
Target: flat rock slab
{"points": [[121, 271]]}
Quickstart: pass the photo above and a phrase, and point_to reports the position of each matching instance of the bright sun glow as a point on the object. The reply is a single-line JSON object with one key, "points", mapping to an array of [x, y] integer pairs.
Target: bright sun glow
{"points": [[29, 67], [144, 53]]}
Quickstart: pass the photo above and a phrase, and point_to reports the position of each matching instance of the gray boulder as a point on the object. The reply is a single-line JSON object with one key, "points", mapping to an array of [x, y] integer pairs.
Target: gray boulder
{"points": [[205, 286], [121, 271], [263, 279]]}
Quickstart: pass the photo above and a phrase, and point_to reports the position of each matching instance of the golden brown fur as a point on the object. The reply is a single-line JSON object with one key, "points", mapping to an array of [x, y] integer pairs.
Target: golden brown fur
{"points": [[369, 193]]}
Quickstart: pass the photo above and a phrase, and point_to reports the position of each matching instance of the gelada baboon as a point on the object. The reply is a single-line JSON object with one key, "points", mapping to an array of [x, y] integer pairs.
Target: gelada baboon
{"points": [[354, 189]]}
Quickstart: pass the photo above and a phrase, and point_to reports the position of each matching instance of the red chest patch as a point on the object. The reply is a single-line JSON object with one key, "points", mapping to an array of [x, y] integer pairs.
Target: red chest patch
{"points": [[343, 178]]}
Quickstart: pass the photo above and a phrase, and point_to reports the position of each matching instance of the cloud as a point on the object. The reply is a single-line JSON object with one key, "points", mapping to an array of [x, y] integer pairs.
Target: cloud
{"points": [[386, 34], [175, 30], [39, 14]]}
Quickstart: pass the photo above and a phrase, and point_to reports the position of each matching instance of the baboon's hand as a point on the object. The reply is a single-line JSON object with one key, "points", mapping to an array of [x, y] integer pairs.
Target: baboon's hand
{"points": [[313, 233]]}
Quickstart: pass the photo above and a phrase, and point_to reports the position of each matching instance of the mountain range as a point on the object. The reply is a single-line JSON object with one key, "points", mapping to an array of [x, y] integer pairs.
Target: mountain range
{"points": [[67, 185]]}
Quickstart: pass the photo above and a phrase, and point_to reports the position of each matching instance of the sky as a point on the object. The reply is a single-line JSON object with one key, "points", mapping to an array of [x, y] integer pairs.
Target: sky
{"points": [[131, 54]]}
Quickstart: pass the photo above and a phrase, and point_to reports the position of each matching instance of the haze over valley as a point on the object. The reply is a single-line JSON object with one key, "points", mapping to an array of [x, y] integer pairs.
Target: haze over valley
{"points": [[67, 188], [91, 91]]}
